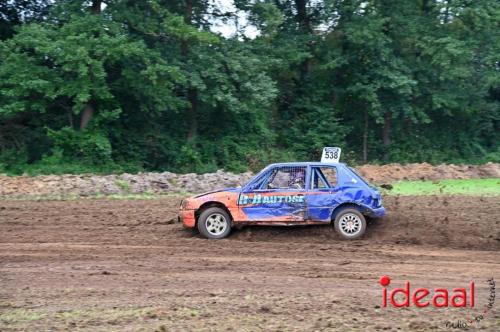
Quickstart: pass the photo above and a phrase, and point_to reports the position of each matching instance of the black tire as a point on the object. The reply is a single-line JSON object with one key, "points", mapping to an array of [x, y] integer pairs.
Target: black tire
{"points": [[350, 220], [214, 223]]}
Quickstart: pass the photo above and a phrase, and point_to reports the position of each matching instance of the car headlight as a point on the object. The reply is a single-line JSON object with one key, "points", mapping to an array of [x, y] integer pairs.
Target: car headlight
{"points": [[184, 203]]}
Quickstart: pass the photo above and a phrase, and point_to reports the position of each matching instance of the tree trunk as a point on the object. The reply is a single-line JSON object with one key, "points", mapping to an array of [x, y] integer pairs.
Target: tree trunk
{"points": [[70, 119], [86, 115], [365, 139], [193, 121], [96, 7], [192, 93], [302, 17], [426, 6], [386, 134], [447, 12], [88, 110], [305, 25]]}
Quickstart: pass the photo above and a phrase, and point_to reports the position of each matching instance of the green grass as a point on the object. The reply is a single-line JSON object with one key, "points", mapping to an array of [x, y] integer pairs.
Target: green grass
{"points": [[487, 187], [20, 316], [123, 185]]}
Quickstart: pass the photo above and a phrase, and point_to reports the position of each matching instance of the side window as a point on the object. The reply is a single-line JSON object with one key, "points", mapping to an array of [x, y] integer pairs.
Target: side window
{"points": [[317, 181], [324, 177], [330, 174], [287, 178]]}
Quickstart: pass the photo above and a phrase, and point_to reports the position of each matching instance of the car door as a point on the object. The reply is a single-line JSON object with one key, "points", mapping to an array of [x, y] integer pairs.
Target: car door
{"points": [[322, 193], [278, 197]]}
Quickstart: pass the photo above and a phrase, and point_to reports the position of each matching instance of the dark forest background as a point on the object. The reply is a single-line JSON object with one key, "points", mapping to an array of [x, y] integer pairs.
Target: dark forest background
{"points": [[126, 86]]}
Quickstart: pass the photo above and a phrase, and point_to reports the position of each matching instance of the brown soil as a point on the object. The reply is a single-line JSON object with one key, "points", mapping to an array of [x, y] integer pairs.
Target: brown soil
{"points": [[85, 185], [389, 173], [123, 266]]}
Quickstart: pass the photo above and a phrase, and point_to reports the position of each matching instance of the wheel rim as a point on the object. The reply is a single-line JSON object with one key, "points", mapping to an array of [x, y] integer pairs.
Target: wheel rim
{"points": [[350, 224], [216, 224]]}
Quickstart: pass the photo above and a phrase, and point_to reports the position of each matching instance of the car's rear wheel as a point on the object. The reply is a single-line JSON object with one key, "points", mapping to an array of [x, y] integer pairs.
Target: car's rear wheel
{"points": [[350, 224], [214, 223]]}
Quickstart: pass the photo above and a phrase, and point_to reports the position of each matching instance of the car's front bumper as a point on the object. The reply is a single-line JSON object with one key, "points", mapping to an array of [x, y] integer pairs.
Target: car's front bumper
{"points": [[187, 218], [377, 212]]}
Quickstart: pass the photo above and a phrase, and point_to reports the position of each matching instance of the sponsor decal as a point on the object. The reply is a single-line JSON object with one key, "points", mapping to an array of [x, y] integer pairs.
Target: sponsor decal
{"points": [[258, 199]]}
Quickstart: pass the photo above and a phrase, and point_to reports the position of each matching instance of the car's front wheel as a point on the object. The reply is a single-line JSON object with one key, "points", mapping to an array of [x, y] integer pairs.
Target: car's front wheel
{"points": [[214, 223], [350, 224]]}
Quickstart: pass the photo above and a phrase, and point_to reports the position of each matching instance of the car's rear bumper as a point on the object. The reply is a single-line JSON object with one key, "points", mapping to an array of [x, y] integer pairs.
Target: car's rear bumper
{"points": [[187, 218]]}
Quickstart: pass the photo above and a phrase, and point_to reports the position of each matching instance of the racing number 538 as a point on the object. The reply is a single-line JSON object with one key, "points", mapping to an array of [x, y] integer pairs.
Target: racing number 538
{"points": [[332, 155]]}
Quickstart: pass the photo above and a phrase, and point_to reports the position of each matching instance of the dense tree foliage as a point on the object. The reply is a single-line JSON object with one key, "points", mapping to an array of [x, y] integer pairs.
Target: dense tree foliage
{"points": [[122, 85]]}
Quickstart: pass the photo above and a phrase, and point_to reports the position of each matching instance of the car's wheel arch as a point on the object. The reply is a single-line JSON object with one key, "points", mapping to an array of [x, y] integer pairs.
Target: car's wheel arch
{"points": [[348, 205], [210, 204]]}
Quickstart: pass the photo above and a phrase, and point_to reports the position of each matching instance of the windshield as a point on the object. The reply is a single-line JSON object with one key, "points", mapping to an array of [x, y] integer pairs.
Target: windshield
{"points": [[256, 180]]}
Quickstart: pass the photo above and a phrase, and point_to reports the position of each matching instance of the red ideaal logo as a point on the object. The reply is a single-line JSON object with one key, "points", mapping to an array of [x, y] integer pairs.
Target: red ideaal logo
{"points": [[441, 298], [424, 297]]}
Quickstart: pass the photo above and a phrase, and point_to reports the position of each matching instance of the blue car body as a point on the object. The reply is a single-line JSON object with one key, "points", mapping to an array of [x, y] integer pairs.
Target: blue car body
{"points": [[288, 194], [308, 204]]}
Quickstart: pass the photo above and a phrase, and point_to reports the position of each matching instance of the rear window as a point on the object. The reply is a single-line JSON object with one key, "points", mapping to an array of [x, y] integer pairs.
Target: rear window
{"points": [[359, 177]]}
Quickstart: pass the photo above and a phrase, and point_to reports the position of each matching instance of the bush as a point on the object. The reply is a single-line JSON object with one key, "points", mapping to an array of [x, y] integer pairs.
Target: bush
{"points": [[88, 147], [12, 161]]}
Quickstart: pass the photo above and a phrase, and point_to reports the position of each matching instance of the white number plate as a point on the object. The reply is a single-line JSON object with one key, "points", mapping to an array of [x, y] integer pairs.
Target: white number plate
{"points": [[330, 155]]}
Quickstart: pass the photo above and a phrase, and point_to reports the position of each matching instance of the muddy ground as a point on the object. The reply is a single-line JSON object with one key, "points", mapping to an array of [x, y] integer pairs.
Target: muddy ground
{"points": [[92, 265]]}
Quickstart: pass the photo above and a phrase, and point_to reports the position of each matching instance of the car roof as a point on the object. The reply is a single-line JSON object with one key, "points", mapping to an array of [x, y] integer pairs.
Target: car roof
{"points": [[306, 163]]}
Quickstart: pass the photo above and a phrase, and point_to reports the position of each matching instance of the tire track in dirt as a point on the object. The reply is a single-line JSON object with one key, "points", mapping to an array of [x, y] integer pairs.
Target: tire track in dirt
{"points": [[458, 222], [122, 265]]}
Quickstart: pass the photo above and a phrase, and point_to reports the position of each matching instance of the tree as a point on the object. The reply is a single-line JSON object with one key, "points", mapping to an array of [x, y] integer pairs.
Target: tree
{"points": [[15, 13], [83, 66], [291, 41], [122, 85]]}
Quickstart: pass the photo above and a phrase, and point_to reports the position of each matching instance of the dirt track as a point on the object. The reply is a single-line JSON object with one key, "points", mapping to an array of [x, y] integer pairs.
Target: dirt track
{"points": [[120, 265]]}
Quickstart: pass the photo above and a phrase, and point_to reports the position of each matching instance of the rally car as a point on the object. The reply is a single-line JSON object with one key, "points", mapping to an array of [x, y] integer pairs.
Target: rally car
{"points": [[300, 193]]}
